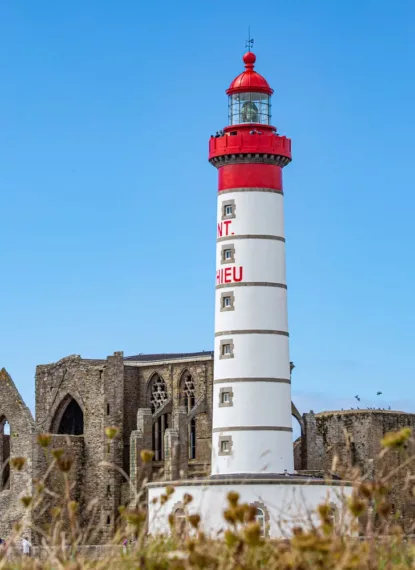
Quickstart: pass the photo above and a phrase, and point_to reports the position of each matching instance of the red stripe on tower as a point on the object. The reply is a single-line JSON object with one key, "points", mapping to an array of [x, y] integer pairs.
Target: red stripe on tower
{"points": [[248, 175]]}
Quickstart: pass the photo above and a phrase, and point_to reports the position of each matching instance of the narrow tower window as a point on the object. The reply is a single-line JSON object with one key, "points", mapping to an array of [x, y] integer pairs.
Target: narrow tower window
{"points": [[226, 348], [228, 209], [225, 445], [225, 397], [228, 254], [227, 301]]}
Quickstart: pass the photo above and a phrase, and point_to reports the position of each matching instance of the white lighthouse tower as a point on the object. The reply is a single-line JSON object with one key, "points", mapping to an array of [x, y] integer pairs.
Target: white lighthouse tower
{"points": [[252, 448], [252, 430]]}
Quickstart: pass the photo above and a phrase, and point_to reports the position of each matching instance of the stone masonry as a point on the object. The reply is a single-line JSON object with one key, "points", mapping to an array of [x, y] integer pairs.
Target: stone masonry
{"points": [[333, 441], [161, 402], [14, 483]]}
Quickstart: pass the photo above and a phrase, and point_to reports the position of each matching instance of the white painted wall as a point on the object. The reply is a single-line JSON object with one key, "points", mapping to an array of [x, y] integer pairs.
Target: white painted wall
{"points": [[254, 452], [256, 212], [259, 354], [289, 505], [256, 355], [272, 404], [255, 308], [262, 259]]}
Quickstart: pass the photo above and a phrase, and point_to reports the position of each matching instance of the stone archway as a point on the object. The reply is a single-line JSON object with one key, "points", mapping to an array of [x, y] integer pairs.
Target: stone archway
{"points": [[4, 454], [68, 418]]}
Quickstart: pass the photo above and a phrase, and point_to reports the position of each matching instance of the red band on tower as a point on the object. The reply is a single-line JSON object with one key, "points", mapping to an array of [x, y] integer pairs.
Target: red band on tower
{"points": [[248, 175]]}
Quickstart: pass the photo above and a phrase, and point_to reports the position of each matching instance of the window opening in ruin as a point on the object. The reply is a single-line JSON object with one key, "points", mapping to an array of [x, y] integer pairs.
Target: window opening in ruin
{"points": [[260, 519], [188, 400], [158, 399], [72, 421], [108, 519], [4, 454], [192, 439], [108, 409], [108, 490]]}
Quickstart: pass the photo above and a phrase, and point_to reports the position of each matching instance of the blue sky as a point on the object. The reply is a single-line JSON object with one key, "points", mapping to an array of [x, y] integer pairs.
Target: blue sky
{"points": [[108, 203]]}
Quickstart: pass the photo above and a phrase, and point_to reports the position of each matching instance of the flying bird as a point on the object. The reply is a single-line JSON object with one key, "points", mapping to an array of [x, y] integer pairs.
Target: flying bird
{"points": [[378, 393], [357, 398]]}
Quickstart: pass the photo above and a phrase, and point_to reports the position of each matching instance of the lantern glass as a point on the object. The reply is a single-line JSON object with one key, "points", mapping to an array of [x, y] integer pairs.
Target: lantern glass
{"points": [[249, 108]]}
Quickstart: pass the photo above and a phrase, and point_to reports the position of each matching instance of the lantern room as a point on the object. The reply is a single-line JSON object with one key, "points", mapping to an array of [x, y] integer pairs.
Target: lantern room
{"points": [[249, 96]]}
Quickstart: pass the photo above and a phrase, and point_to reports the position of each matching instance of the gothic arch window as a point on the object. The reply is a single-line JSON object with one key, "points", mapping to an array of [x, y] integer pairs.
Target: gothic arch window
{"points": [[158, 393], [158, 398], [69, 418], [188, 400], [4, 454]]}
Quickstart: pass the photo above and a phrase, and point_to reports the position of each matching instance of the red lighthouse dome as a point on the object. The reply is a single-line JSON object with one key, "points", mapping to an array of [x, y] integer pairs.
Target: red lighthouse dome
{"points": [[249, 80]]}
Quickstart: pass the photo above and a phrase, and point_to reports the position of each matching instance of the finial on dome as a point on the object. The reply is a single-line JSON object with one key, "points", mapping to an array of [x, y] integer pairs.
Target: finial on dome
{"points": [[249, 59]]}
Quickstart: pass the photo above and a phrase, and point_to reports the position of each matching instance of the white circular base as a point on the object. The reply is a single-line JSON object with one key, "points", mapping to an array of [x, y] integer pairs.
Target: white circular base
{"points": [[287, 501]]}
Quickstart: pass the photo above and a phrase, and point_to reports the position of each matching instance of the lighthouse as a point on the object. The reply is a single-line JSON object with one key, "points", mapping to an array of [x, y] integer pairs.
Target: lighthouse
{"points": [[252, 429], [251, 445]]}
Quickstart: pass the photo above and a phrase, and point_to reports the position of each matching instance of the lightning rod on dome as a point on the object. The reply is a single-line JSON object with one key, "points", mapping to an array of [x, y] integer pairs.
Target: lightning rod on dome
{"points": [[249, 43]]}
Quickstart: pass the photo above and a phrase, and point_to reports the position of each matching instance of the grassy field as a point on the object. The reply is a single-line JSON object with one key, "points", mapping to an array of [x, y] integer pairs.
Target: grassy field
{"points": [[327, 545]]}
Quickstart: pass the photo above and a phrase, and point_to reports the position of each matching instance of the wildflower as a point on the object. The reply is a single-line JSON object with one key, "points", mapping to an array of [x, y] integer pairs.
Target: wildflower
{"points": [[366, 490], [194, 520], [135, 517], [17, 463], [26, 501], [357, 506], [44, 439], [231, 538], [239, 511], [230, 516], [169, 490], [163, 499], [187, 498], [383, 508], [57, 453], [396, 439], [252, 534], [55, 512], [250, 513], [65, 463], [111, 432], [73, 506], [146, 455], [233, 498]]}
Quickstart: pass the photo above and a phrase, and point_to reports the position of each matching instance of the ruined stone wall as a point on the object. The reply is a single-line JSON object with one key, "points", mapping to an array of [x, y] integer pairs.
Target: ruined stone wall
{"points": [[177, 463], [354, 438], [93, 384], [132, 392], [18, 444]]}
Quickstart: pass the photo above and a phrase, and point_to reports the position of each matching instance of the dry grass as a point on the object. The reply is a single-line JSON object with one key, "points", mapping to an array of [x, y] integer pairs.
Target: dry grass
{"points": [[240, 547]]}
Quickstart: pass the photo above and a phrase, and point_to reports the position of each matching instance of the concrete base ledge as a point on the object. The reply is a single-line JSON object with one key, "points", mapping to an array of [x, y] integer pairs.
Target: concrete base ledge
{"points": [[251, 479]]}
